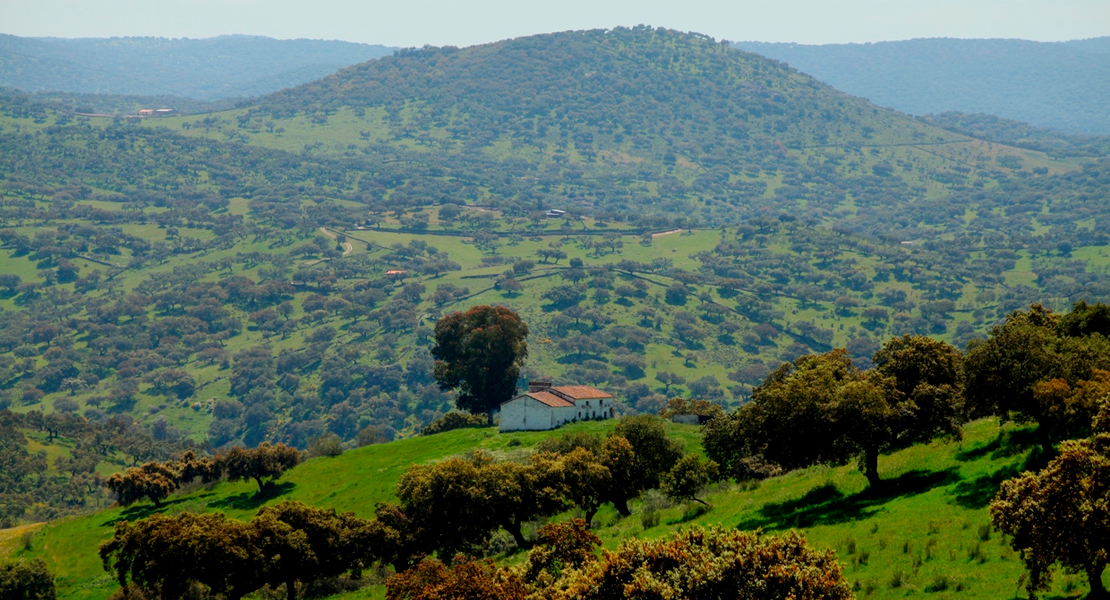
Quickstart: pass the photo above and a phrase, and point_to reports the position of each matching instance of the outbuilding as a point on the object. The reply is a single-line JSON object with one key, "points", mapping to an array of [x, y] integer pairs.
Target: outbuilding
{"points": [[545, 406]]}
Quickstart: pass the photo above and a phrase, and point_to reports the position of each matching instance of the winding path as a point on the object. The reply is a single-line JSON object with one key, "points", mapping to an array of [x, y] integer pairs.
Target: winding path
{"points": [[347, 246]]}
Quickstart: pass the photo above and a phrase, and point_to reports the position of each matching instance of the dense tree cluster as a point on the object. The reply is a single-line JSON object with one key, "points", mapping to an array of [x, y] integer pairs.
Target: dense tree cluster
{"points": [[286, 544], [1043, 367], [821, 408], [456, 505], [1037, 366]]}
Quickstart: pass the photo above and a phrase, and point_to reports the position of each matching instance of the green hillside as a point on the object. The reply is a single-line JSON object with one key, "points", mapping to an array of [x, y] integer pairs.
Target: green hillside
{"points": [[725, 213], [927, 532]]}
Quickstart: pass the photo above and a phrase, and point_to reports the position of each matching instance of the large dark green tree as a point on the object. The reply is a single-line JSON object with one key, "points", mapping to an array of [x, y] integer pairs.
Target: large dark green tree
{"points": [[302, 543], [168, 556], [26, 580], [637, 455], [479, 354]]}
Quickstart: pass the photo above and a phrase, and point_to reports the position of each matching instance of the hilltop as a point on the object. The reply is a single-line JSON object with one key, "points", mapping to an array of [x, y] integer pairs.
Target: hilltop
{"points": [[231, 66], [1057, 85], [226, 277]]}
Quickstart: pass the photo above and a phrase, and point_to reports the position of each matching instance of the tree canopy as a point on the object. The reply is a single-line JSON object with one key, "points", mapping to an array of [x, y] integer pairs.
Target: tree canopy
{"points": [[479, 354], [821, 408], [165, 556], [26, 580]]}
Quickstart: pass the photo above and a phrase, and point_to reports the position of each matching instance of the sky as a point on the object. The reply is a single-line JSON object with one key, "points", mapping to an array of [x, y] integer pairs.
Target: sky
{"points": [[410, 23]]}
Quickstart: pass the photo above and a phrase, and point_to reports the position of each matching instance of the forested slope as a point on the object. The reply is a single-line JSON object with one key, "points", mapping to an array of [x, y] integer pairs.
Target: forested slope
{"points": [[1060, 85]]}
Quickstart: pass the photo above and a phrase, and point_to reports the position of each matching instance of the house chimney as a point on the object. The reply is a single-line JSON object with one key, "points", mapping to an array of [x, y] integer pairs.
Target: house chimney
{"points": [[535, 386]]}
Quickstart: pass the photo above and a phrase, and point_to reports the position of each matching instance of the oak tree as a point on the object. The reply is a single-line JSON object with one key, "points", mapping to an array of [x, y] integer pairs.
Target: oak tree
{"points": [[586, 481], [479, 353], [689, 476], [267, 461], [166, 555], [445, 504], [153, 480], [1060, 514], [302, 543], [26, 580]]}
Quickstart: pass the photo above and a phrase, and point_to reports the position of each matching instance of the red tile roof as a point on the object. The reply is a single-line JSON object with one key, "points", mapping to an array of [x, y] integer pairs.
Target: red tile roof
{"points": [[579, 392], [549, 399]]}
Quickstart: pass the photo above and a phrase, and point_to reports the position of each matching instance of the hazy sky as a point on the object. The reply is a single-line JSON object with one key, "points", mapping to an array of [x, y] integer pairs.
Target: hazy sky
{"points": [[467, 22]]}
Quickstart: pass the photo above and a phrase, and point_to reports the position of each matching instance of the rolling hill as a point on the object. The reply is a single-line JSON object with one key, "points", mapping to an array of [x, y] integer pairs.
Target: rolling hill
{"points": [[235, 66], [725, 213], [1060, 86], [927, 532]]}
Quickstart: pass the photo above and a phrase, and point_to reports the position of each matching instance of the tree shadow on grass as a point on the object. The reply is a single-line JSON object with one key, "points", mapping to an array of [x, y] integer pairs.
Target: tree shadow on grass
{"points": [[251, 501], [1008, 443], [142, 511], [978, 493], [826, 505]]}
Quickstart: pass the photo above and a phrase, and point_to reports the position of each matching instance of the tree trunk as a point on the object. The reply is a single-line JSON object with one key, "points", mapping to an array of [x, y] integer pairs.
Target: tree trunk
{"points": [[261, 486], [1094, 579], [871, 467], [489, 417], [291, 589], [621, 504], [400, 565], [589, 517], [518, 537]]}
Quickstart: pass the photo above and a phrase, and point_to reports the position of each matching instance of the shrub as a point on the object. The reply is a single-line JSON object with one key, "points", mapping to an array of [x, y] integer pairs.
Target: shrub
{"points": [[474, 580], [691, 564], [454, 420], [325, 445]]}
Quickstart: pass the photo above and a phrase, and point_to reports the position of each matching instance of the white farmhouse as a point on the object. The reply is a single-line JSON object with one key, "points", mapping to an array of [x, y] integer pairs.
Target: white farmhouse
{"points": [[546, 407]]}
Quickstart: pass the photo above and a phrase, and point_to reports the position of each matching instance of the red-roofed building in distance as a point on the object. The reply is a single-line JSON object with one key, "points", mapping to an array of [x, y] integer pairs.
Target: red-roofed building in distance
{"points": [[545, 406]]}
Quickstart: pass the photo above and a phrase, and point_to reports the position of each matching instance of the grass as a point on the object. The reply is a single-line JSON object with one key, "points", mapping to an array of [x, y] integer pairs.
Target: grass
{"points": [[922, 532]]}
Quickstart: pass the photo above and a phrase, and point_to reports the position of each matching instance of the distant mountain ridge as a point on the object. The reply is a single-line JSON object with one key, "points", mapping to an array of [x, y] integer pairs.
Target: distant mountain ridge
{"points": [[1057, 85], [204, 69]]}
